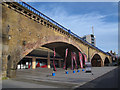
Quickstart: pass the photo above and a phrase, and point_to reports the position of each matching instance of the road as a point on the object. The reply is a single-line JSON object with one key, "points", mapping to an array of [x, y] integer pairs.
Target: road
{"points": [[109, 80]]}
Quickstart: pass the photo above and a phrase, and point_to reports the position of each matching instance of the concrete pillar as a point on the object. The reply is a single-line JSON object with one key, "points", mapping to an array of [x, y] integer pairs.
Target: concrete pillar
{"points": [[48, 61], [33, 62], [59, 63]]}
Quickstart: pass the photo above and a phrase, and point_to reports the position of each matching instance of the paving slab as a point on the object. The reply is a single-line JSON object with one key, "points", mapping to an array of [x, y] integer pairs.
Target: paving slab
{"points": [[44, 76]]}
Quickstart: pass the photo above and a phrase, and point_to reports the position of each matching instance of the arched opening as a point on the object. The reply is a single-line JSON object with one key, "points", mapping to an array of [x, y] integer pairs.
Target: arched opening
{"points": [[106, 62], [96, 61], [43, 56], [60, 48], [28, 66]]}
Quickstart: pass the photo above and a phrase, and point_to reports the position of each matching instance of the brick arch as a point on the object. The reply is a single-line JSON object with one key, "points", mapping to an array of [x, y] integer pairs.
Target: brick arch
{"points": [[28, 49], [94, 61], [93, 55], [30, 45], [106, 61]]}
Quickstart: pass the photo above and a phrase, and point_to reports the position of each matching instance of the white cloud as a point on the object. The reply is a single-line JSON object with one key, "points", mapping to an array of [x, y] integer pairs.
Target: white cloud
{"points": [[105, 32]]}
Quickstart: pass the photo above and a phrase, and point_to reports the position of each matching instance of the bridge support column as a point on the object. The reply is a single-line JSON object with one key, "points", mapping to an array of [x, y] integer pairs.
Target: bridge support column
{"points": [[102, 63], [59, 63], [12, 66], [4, 66], [48, 61], [88, 55], [33, 62]]}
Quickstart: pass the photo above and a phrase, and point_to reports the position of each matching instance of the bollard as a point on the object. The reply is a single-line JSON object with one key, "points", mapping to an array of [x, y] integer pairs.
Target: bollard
{"points": [[73, 71], [66, 72], [78, 70], [53, 74], [82, 69]]}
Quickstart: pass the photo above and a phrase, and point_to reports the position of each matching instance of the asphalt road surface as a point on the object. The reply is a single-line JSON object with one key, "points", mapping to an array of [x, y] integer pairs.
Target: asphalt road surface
{"points": [[109, 80]]}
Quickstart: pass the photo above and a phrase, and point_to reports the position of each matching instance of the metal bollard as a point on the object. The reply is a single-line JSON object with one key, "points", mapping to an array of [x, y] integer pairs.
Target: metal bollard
{"points": [[73, 71], [78, 70]]}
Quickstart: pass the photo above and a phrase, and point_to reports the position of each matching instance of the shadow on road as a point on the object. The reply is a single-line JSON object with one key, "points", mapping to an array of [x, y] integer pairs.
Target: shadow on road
{"points": [[109, 80]]}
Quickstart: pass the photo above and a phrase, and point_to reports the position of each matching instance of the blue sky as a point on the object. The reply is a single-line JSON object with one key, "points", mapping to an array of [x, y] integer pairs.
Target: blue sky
{"points": [[81, 16]]}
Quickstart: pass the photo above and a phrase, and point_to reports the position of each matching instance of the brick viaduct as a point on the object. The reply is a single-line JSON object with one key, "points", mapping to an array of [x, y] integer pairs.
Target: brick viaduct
{"points": [[23, 30]]}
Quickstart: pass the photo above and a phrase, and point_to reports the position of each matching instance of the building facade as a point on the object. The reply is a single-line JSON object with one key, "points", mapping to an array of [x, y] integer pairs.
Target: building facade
{"points": [[90, 38]]}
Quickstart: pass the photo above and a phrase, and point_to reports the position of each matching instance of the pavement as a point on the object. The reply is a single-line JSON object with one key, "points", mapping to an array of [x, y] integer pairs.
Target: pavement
{"points": [[21, 84], [42, 78], [0, 84]]}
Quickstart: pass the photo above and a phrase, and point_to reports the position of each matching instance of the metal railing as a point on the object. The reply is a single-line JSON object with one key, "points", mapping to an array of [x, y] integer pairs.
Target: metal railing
{"points": [[55, 23]]}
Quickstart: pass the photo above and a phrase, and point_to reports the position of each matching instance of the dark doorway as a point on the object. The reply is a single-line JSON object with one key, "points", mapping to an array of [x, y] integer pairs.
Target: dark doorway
{"points": [[106, 62], [96, 61]]}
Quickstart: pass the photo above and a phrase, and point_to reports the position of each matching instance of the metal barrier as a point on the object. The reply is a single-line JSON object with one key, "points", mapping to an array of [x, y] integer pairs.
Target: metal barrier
{"points": [[55, 23]]}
